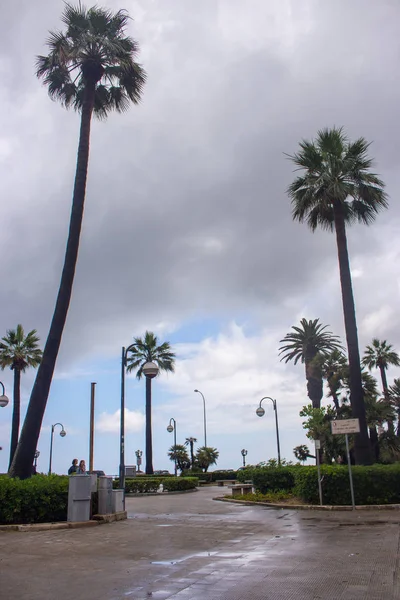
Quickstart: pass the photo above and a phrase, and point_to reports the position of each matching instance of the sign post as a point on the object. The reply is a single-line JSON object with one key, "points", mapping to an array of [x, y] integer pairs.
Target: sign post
{"points": [[344, 427], [317, 449]]}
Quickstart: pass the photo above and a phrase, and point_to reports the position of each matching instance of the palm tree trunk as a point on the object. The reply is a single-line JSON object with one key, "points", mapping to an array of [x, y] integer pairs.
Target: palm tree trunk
{"points": [[373, 436], [386, 396], [362, 448], [16, 413], [192, 452], [24, 455], [315, 385], [149, 443]]}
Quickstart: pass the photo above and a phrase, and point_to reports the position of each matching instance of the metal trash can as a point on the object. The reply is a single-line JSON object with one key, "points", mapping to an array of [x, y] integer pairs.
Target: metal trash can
{"points": [[105, 495], [79, 498]]}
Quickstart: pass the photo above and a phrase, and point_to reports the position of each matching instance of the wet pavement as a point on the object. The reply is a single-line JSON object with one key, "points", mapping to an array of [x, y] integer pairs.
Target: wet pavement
{"points": [[189, 547]]}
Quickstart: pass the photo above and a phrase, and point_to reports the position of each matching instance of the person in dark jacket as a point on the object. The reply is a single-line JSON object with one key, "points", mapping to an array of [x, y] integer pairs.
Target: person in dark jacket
{"points": [[74, 467]]}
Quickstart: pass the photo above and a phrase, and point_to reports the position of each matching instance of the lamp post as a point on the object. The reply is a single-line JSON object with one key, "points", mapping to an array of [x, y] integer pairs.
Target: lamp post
{"points": [[3, 398], [139, 454], [204, 407], [63, 433], [260, 412], [172, 428], [122, 417], [244, 454], [150, 371]]}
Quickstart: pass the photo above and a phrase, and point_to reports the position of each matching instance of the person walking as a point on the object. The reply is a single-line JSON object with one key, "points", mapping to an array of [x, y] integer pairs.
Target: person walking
{"points": [[74, 467]]}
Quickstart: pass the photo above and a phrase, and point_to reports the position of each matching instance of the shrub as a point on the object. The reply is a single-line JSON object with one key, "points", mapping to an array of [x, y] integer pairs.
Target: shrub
{"points": [[41, 499], [272, 479], [180, 484], [271, 497], [377, 484], [143, 485], [231, 475]]}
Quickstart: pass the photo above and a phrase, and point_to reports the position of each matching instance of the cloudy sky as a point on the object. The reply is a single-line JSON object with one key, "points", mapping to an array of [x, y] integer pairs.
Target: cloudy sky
{"points": [[187, 229]]}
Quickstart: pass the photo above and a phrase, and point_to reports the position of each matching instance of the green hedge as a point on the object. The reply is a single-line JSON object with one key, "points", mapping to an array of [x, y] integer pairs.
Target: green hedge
{"points": [[267, 479], [145, 485], [41, 499], [378, 484], [231, 475]]}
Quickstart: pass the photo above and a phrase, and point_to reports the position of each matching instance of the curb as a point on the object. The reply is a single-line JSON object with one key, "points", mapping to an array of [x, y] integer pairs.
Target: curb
{"points": [[325, 507], [97, 520]]}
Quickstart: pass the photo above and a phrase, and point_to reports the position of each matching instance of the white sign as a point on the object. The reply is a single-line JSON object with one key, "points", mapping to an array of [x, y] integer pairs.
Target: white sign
{"points": [[317, 444], [344, 426]]}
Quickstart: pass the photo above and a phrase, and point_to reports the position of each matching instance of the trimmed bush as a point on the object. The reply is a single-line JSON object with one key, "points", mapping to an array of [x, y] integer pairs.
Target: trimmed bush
{"points": [[178, 484], [146, 485], [267, 479], [377, 484], [231, 475], [41, 499]]}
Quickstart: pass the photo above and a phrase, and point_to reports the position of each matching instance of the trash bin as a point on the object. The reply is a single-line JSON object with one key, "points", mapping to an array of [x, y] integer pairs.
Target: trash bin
{"points": [[79, 498]]}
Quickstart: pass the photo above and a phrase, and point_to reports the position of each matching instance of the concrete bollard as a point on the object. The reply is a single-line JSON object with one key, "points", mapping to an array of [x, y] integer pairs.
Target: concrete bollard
{"points": [[79, 498], [117, 501], [105, 495]]}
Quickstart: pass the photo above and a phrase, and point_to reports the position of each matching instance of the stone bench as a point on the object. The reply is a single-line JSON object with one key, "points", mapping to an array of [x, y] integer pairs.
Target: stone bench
{"points": [[222, 482], [241, 488]]}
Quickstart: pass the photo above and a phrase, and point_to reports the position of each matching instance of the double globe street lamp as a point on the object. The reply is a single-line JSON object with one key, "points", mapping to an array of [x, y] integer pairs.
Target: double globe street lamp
{"points": [[260, 412], [172, 428], [63, 433], [243, 452]]}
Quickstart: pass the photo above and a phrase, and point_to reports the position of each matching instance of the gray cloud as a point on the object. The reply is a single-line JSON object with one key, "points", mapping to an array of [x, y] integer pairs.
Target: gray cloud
{"points": [[186, 208]]}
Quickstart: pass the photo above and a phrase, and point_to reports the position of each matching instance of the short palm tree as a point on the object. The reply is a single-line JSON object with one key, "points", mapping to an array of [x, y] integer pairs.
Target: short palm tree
{"points": [[206, 456], [146, 350], [334, 370], [190, 441], [91, 67], [310, 344], [335, 189], [379, 355], [179, 454], [18, 352]]}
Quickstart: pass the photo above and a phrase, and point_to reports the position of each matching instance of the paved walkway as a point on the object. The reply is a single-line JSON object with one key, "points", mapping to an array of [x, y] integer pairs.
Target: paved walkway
{"points": [[189, 547]]}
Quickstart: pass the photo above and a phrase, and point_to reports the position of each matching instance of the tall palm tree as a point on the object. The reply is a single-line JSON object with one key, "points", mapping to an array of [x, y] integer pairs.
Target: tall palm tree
{"points": [[145, 350], [310, 343], [379, 355], [90, 67], [334, 370], [18, 352], [337, 188], [190, 441]]}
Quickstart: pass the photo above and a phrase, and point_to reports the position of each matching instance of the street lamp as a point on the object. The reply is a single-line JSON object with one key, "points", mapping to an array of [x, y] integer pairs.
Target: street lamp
{"points": [[244, 454], [172, 428], [139, 454], [3, 398], [122, 417], [204, 407], [260, 412], [63, 433]]}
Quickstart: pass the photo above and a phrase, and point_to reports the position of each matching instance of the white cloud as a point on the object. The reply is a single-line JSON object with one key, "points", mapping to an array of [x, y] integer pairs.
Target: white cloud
{"points": [[110, 423]]}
